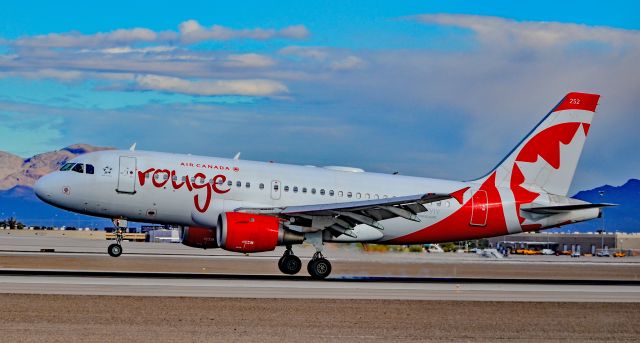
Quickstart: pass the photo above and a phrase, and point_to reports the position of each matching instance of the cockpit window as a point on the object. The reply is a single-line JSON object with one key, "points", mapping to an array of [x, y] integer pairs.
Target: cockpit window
{"points": [[89, 169], [67, 166], [78, 168]]}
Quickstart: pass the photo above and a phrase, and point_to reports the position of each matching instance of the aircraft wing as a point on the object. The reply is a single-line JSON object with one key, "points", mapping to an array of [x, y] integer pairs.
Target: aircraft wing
{"points": [[344, 216]]}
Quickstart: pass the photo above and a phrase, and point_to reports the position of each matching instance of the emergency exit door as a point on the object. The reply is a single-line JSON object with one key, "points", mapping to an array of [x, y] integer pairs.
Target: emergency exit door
{"points": [[127, 175], [275, 190], [479, 208]]}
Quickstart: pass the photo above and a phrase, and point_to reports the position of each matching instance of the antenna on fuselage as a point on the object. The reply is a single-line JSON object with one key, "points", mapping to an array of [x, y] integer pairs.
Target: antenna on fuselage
{"points": [[237, 156], [133, 147]]}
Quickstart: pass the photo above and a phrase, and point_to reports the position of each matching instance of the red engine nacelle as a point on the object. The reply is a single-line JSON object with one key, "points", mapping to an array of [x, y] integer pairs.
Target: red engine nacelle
{"points": [[199, 237], [246, 232]]}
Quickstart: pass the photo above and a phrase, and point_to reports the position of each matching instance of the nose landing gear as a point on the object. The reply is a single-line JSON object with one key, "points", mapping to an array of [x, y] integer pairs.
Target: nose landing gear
{"points": [[115, 249]]}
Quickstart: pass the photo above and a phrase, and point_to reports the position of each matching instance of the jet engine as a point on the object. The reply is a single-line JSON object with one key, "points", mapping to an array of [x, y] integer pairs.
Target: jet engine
{"points": [[199, 237], [247, 232]]}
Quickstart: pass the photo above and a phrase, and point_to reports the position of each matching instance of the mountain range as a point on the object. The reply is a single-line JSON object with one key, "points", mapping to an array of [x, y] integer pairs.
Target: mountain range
{"points": [[18, 175]]}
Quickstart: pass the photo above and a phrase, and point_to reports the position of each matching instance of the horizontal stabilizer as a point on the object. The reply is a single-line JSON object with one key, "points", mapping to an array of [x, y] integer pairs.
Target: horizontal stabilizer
{"points": [[563, 208]]}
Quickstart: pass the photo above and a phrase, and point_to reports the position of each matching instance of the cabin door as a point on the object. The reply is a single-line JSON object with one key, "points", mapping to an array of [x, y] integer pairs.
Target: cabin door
{"points": [[127, 175], [480, 208]]}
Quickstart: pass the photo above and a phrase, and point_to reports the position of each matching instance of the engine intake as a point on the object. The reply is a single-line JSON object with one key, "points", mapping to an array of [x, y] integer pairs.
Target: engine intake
{"points": [[199, 237], [247, 232]]}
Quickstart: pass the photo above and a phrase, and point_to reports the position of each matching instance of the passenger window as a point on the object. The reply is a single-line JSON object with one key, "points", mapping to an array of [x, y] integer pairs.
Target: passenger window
{"points": [[358, 195], [313, 191], [238, 183], [247, 184], [322, 192], [331, 192], [184, 179], [295, 189], [348, 194], [376, 196], [385, 196], [78, 168], [340, 193], [304, 189], [220, 182], [90, 169], [367, 196], [286, 188], [276, 187], [67, 166], [174, 178], [229, 183], [166, 176], [261, 186]]}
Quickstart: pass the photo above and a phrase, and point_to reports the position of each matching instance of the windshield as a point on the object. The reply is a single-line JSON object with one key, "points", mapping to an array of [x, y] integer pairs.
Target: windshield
{"points": [[78, 168], [67, 166]]}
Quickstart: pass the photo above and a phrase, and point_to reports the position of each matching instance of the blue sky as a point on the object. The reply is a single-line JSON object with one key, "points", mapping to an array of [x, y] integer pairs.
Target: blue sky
{"points": [[427, 88]]}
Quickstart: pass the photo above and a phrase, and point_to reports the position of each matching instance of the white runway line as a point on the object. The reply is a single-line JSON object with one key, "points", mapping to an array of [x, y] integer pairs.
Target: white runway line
{"points": [[316, 289]]}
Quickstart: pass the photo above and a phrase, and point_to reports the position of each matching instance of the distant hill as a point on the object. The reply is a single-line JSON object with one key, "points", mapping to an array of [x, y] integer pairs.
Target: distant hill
{"points": [[17, 199], [18, 175], [623, 218], [15, 171]]}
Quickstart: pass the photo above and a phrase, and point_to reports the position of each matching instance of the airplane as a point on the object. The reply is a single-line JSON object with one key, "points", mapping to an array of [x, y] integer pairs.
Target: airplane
{"points": [[247, 206]]}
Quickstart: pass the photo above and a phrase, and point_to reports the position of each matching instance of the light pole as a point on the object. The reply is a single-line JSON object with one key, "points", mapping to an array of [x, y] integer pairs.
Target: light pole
{"points": [[604, 230]]}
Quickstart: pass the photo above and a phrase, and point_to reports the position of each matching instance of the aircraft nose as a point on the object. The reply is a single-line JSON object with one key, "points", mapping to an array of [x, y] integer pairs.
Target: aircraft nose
{"points": [[43, 188]]}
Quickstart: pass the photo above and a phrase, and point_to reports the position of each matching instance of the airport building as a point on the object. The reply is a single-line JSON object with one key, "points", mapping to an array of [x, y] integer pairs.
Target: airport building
{"points": [[585, 243]]}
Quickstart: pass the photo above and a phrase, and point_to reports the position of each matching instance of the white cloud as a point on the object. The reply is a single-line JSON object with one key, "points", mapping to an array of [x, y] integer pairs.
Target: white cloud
{"points": [[189, 32], [250, 60], [130, 50], [192, 32], [316, 53], [255, 87], [348, 63], [505, 32], [76, 39]]}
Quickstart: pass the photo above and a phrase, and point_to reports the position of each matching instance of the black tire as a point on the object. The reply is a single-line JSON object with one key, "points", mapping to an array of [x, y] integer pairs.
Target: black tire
{"points": [[290, 264], [319, 268], [114, 250]]}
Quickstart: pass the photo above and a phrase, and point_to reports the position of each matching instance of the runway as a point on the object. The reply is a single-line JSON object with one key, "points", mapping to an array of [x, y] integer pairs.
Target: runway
{"points": [[167, 292], [284, 287]]}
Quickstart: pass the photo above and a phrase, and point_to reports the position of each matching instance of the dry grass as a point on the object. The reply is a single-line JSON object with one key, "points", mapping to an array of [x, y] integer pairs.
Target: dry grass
{"points": [[38, 318]]}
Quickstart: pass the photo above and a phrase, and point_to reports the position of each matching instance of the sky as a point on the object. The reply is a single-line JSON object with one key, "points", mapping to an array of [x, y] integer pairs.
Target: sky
{"points": [[427, 88]]}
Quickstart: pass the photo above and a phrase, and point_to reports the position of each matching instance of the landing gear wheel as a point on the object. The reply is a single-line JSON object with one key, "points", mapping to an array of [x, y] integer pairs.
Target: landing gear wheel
{"points": [[290, 264], [319, 268], [114, 250]]}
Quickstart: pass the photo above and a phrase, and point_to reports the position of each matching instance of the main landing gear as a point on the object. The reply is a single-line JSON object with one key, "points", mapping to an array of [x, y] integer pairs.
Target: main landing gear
{"points": [[319, 267], [289, 263]]}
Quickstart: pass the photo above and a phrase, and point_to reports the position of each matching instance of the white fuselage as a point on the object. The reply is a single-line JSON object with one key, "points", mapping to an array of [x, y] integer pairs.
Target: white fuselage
{"points": [[193, 190]]}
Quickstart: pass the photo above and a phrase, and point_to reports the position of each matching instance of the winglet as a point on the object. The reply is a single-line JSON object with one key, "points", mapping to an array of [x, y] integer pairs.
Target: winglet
{"points": [[237, 156], [133, 147], [459, 194]]}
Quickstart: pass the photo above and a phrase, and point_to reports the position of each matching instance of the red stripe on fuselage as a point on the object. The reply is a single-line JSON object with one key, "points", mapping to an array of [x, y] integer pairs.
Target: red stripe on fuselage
{"points": [[457, 226]]}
